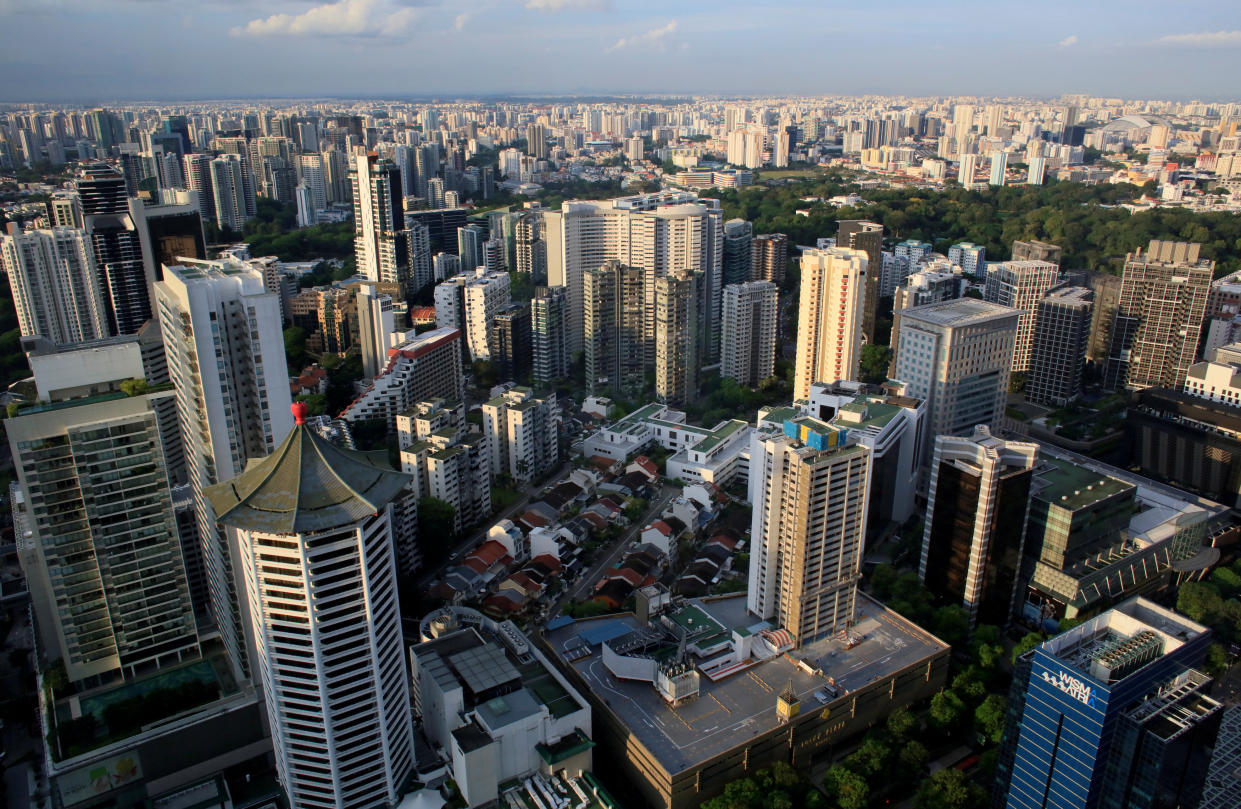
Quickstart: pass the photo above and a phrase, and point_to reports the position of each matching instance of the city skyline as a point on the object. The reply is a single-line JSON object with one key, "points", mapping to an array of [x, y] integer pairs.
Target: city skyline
{"points": [[398, 48]]}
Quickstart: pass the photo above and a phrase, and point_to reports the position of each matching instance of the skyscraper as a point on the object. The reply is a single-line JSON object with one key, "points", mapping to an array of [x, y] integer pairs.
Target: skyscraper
{"points": [[1111, 714], [510, 342], [228, 192], [548, 322], [1021, 285], [738, 259], [809, 486], [770, 258], [976, 518], [957, 355], [380, 240], [620, 327], [197, 170], [470, 241], [999, 165], [1155, 332], [829, 322], [748, 337], [102, 552], [55, 285], [858, 234], [531, 249], [486, 294], [1058, 355], [225, 349], [119, 260], [678, 350], [313, 532], [967, 170]]}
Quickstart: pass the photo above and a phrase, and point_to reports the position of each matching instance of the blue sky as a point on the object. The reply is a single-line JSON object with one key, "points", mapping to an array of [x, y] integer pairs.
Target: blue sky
{"points": [[95, 51]]}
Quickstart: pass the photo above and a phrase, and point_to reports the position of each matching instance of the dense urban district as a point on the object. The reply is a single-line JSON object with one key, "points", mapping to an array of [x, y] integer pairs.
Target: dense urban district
{"points": [[745, 453]]}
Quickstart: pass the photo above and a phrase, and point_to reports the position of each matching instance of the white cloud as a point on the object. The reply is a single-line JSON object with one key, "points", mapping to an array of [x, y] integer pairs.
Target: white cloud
{"points": [[367, 18], [1204, 39], [459, 23], [566, 5], [656, 37], [1069, 40]]}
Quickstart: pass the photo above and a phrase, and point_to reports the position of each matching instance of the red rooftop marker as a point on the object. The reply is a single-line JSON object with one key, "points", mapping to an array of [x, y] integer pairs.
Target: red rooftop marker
{"points": [[300, 411]]}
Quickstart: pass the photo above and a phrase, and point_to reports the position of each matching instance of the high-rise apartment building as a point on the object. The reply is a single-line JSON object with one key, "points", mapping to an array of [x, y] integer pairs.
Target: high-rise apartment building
{"points": [[619, 327], [470, 241], [957, 355], [770, 258], [531, 249], [56, 289], [809, 486], [225, 350], [522, 434], [748, 336], [1058, 354], [312, 525], [970, 257], [1112, 714], [1021, 285], [380, 238], [967, 169], [228, 192], [662, 232], [548, 316], [976, 518], [99, 540], [678, 346], [1155, 331], [197, 171], [858, 234], [999, 166], [829, 322], [446, 461], [485, 294], [119, 258], [738, 259], [426, 367], [510, 340]]}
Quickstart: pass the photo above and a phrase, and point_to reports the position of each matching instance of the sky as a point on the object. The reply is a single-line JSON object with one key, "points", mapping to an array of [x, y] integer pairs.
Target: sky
{"points": [[96, 51]]}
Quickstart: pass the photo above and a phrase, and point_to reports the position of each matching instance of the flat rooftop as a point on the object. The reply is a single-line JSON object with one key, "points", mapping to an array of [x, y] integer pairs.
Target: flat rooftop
{"points": [[742, 706], [959, 312], [1070, 486]]}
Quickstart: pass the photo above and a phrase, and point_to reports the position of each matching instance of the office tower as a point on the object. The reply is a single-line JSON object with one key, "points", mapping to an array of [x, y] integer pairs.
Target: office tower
{"points": [[1058, 353], [1021, 285], [312, 524], [619, 327], [225, 349], [470, 241], [1162, 302], [1036, 251], [56, 288], [228, 192], [957, 355], [738, 262], [678, 354], [999, 165], [1223, 776], [830, 314], [427, 367], [967, 170], [748, 336], [970, 257], [809, 485], [976, 518], [197, 170], [521, 432], [380, 237], [661, 232], [169, 228], [1111, 714], [1036, 171], [1106, 288], [857, 234], [548, 319], [531, 249], [442, 226], [511, 342], [101, 550], [770, 258], [485, 295]]}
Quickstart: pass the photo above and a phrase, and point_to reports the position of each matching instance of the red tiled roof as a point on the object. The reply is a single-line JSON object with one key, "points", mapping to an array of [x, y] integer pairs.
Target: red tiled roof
{"points": [[662, 527]]}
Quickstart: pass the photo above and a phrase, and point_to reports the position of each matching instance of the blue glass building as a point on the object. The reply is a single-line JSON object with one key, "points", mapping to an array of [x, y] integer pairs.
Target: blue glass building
{"points": [[1110, 715]]}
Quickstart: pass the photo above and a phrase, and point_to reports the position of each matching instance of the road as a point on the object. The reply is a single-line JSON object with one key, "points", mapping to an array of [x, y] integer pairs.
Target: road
{"points": [[588, 578], [431, 575]]}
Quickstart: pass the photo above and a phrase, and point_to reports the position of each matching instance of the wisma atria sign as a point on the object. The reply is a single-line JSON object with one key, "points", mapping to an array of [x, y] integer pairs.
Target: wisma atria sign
{"points": [[1073, 686]]}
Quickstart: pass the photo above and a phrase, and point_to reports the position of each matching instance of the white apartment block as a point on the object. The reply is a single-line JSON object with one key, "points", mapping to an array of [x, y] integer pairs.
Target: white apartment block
{"points": [[485, 294], [522, 434], [55, 284], [1217, 380], [829, 322], [751, 314], [426, 367]]}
